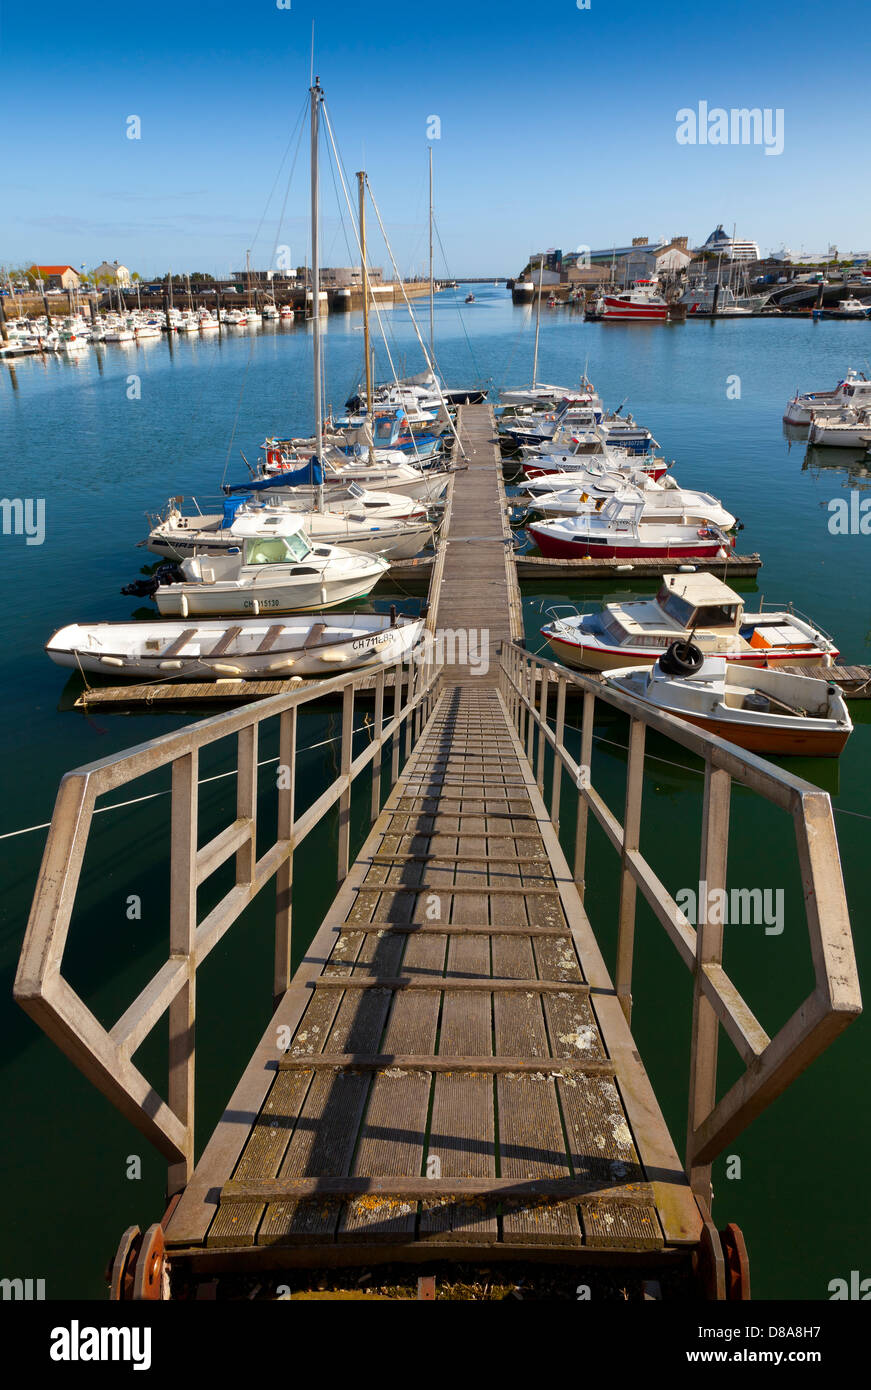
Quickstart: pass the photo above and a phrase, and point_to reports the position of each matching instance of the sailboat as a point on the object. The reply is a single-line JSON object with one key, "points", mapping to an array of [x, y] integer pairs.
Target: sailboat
{"points": [[537, 393], [282, 572], [425, 390]]}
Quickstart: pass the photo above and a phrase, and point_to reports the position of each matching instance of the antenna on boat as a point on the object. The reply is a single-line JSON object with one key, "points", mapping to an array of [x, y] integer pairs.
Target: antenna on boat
{"points": [[537, 321], [316, 98], [364, 275], [431, 305]]}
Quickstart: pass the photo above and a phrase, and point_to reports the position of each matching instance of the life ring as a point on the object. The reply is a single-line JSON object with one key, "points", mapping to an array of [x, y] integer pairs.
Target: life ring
{"points": [[273, 458]]}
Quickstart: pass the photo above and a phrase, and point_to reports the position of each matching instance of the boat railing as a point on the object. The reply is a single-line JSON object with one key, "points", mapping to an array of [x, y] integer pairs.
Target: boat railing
{"points": [[771, 1064], [105, 1054], [772, 606]]}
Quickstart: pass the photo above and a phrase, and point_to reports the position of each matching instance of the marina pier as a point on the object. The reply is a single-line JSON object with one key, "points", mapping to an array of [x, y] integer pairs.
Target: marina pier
{"points": [[450, 1074]]}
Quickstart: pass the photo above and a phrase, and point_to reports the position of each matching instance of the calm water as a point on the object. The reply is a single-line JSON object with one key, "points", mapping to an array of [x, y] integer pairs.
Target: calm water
{"points": [[108, 439]]}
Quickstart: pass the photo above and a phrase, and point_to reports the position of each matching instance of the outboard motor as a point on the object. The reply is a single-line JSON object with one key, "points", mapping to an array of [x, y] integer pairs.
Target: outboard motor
{"points": [[146, 588]]}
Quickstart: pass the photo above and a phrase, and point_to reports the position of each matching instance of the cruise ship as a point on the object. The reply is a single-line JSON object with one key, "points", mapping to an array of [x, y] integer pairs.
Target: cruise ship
{"points": [[730, 248]]}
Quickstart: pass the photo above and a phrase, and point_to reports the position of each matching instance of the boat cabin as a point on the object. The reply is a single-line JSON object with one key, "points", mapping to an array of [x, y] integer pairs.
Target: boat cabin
{"points": [[700, 600]]}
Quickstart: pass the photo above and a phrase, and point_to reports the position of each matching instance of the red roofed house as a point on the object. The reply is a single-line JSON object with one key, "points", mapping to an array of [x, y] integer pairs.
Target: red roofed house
{"points": [[55, 277]]}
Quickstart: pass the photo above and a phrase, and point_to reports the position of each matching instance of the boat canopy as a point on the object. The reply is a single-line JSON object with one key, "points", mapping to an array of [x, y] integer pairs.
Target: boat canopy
{"points": [[310, 475]]}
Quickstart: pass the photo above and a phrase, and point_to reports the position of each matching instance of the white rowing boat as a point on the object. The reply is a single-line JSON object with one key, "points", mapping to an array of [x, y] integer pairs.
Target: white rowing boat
{"points": [[258, 648]]}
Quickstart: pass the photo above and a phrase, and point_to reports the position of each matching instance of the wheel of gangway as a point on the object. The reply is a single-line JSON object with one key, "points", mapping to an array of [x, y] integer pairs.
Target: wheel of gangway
{"points": [[737, 1263], [121, 1273], [149, 1276]]}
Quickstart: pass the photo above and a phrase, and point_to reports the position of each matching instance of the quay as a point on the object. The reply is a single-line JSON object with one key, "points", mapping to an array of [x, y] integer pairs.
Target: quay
{"points": [[450, 1075]]}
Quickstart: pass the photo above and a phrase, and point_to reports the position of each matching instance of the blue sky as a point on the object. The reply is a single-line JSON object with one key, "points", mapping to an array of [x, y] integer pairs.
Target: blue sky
{"points": [[557, 127]]}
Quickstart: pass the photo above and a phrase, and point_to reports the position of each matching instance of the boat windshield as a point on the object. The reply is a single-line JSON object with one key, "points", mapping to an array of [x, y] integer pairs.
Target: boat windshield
{"points": [[278, 550]]}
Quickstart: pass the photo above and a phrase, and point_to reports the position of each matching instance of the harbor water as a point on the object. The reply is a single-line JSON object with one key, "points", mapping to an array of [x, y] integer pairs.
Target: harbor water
{"points": [[106, 438]]}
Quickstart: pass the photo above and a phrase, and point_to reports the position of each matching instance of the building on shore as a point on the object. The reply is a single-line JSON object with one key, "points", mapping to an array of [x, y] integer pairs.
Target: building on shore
{"points": [[55, 277], [112, 273], [641, 261], [332, 277]]}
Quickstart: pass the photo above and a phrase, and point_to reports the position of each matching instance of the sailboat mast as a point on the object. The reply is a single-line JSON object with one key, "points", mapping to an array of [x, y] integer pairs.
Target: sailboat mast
{"points": [[431, 289], [364, 275], [537, 321], [316, 97], [367, 357]]}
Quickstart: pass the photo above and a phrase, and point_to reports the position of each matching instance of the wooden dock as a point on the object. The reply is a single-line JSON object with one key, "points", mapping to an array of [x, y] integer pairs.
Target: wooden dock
{"points": [[459, 1077], [450, 1074]]}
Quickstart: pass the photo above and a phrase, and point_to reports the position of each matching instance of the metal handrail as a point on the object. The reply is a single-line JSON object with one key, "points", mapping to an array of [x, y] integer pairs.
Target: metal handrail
{"points": [[771, 1063], [105, 1055]]}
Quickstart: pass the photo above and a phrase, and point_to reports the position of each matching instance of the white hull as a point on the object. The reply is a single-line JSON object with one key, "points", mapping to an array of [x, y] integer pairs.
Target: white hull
{"points": [[396, 540], [763, 711], [293, 595], [840, 434], [306, 648]]}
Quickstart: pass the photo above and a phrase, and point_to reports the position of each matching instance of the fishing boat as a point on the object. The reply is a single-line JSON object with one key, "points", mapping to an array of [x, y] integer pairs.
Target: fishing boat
{"points": [[854, 392], [665, 503], [622, 530], [850, 429], [849, 308], [398, 538], [285, 312], [641, 304], [763, 711], [695, 607], [256, 649]]}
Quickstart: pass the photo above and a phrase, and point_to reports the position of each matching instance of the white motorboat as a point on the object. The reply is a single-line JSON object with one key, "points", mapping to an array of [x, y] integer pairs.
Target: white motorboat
{"points": [[177, 536], [623, 530], [853, 307], [282, 574], [853, 393], [269, 311], [605, 473], [687, 607], [850, 429], [545, 396], [610, 434], [257, 648], [147, 330], [663, 502], [762, 711]]}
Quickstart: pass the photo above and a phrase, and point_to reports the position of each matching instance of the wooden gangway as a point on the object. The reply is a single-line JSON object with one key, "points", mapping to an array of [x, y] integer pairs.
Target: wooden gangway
{"points": [[450, 1074]]}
